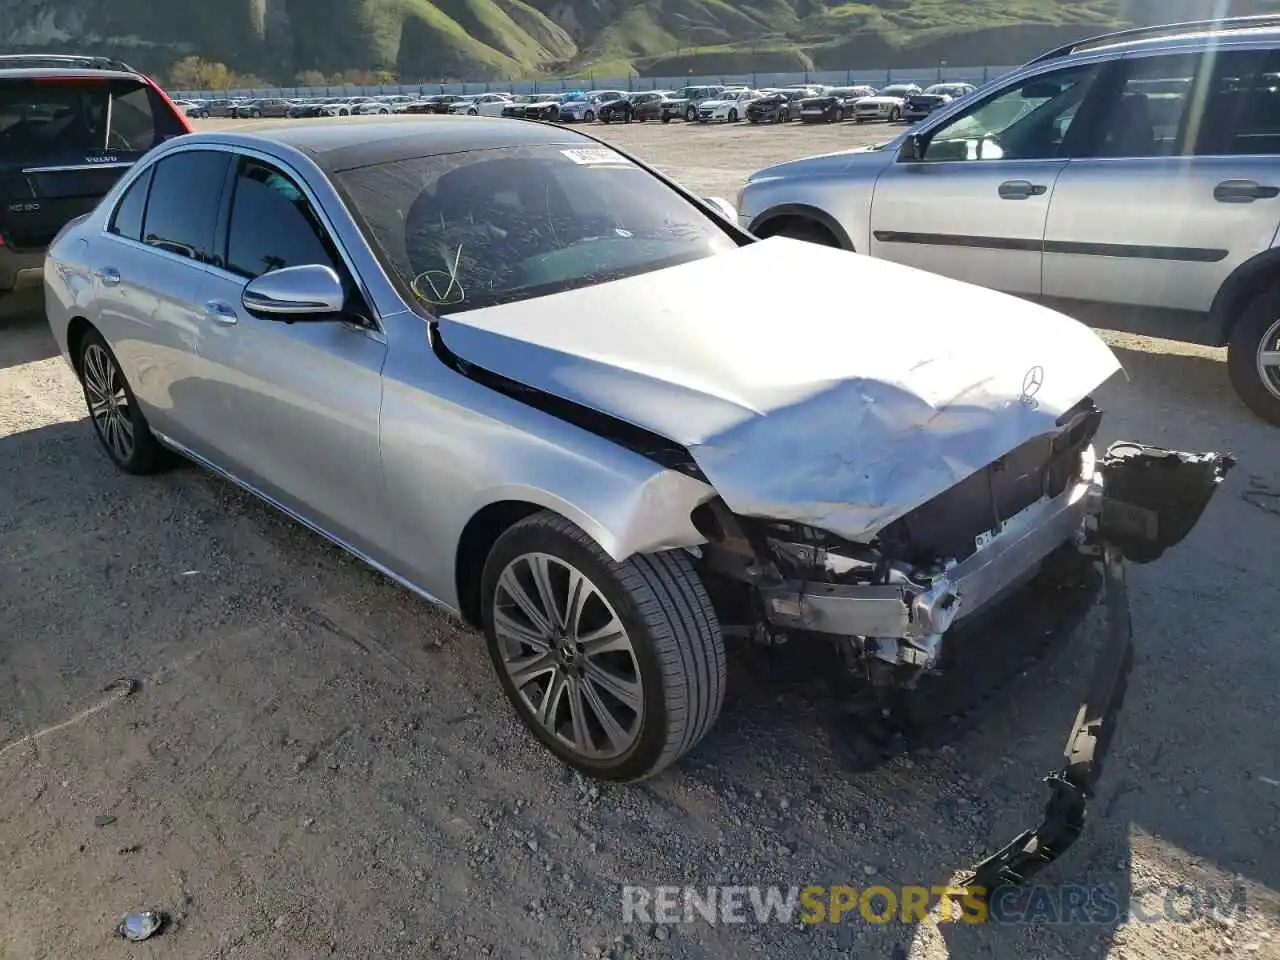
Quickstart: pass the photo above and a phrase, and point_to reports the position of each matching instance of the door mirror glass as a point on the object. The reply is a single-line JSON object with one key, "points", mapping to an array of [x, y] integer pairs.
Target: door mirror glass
{"points": [[309, 292]]}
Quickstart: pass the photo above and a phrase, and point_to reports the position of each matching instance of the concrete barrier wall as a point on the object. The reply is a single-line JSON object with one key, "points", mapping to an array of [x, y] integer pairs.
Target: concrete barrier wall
{"points": [[923, 76]]}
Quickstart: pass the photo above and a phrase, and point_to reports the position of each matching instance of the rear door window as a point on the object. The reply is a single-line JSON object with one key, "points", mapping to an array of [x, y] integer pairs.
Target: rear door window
{"points": [[1148, 116], [1241, 116], [127, 220], [67, 115], [183, 206]]}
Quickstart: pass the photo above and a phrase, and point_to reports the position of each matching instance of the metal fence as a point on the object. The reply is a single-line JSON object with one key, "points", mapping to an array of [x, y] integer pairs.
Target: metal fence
{"points": [[922, 76]]}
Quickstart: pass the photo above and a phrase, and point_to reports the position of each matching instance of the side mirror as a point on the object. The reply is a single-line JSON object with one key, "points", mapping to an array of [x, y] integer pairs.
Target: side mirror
{"points": [[723, 207], [912, 149], [309, 292]]}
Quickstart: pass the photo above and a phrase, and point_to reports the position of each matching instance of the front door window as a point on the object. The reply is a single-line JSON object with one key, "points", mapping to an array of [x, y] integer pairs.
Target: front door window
{"points": [[1029, 120]]}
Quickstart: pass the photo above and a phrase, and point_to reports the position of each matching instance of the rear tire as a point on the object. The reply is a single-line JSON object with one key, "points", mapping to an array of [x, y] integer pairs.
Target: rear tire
{"points": [[118, 422], [650, 615], [1255, 333]]}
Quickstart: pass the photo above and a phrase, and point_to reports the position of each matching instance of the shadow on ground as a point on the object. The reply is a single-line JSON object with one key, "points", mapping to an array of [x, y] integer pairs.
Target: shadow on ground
{"points": [[24, 334]]}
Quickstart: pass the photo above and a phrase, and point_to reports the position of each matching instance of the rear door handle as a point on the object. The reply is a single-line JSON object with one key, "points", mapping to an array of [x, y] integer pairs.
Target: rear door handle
{"points": [[109, 276], [221, 312], [1021, 190], [1243, 191]]}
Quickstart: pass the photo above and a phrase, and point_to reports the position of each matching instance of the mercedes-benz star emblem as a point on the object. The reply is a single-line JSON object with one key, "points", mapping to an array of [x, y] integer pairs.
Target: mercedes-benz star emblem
{"points": [[1031, 384]]}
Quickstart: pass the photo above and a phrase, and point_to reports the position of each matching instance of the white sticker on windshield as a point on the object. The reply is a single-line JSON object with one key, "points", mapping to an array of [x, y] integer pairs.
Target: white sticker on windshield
{"points": [[594, 155]]}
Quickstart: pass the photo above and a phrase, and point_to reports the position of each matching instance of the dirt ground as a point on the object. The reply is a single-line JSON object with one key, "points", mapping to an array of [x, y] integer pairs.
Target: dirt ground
{"points": [[317, 763]]}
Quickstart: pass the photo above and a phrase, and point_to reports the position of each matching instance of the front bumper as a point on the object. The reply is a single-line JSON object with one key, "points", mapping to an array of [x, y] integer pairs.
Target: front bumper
{"points": [[904, 611], [1132, 506]]}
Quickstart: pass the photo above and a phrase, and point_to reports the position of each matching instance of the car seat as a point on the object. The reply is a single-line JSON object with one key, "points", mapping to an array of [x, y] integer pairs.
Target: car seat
{"points": [[1130, 132]]}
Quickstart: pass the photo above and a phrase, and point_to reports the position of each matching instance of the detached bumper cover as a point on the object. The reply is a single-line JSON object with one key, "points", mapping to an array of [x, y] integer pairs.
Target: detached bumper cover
{"points": [[1087, 744], [1154, 497]]}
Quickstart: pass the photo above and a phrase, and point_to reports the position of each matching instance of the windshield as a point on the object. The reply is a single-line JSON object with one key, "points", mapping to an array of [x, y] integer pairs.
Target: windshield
{"points": [[485, 227], [898, 91]]}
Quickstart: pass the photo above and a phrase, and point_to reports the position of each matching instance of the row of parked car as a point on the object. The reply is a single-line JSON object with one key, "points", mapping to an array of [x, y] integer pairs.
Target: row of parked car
{"points": [[701, 103]]}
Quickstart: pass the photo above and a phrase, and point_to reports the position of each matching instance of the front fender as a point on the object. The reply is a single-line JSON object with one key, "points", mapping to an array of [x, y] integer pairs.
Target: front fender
{"points": [[625, 515], [452, 446], [836, 190]]}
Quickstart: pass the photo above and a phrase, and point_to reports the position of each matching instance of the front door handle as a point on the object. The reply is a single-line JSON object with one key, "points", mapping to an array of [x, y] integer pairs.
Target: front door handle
{"points": [[1021, 189], [1243, 191], [109, 276], [221, 312]]}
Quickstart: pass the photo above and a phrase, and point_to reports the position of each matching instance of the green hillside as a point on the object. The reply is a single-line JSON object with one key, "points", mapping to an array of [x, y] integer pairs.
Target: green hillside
{"points": [[415, 40]]}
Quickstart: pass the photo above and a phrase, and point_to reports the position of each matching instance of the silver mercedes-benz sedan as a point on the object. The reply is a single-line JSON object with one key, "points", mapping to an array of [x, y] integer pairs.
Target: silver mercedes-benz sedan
{"points": [[538, 383]]}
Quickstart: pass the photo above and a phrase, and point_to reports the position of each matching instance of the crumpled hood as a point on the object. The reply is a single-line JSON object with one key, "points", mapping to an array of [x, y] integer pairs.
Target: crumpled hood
{"points": [[796, 403]]}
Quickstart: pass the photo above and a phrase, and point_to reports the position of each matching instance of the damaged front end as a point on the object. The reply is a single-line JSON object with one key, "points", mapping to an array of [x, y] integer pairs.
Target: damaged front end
{"points": [[892, 607]]}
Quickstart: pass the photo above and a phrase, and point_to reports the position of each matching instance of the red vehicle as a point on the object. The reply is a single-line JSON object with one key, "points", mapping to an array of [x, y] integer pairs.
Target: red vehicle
{"points": [[69, 127]]}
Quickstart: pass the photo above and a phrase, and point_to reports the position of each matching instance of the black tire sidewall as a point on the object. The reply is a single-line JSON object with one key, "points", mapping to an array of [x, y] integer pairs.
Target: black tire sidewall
{"points": [[533, 537], [1242, 354]]}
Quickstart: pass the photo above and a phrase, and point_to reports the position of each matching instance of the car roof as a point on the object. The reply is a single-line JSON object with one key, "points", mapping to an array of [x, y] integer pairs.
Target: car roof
{"points": [[350, 142], [68, 73], [1249, 31]]}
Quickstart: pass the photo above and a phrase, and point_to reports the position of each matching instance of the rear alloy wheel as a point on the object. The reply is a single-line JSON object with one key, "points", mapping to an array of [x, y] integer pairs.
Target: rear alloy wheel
{"points": [[119, 424], [617, 668], [1253, 357]]}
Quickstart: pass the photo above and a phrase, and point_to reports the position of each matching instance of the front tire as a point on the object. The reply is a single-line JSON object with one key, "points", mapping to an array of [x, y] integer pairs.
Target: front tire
{"points": [[806, 230], [121, 428], [589, 116], [1253, 357], [733, 116], [895, 115], [617, 668], [691, 114]]}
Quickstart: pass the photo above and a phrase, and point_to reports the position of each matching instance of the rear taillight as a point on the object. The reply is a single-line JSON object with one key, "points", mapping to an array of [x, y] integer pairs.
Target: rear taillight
{"points": [[180, 115]]}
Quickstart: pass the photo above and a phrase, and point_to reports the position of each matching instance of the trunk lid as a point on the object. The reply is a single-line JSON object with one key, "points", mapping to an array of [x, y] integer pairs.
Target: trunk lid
{"points": [[794, 404], [65, 140]]}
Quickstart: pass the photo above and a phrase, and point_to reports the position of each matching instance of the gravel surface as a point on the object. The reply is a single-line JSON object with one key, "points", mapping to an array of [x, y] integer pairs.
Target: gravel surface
{"points": [[317, 763]]}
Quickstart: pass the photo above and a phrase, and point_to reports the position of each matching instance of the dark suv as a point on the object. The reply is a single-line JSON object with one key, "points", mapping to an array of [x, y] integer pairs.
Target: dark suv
{"points": [[69, 127]]}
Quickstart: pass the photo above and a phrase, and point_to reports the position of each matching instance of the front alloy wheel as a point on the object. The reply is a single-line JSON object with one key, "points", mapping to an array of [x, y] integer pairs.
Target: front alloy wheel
{"points": [[568, 656], [119, 424], [618, 668]]}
